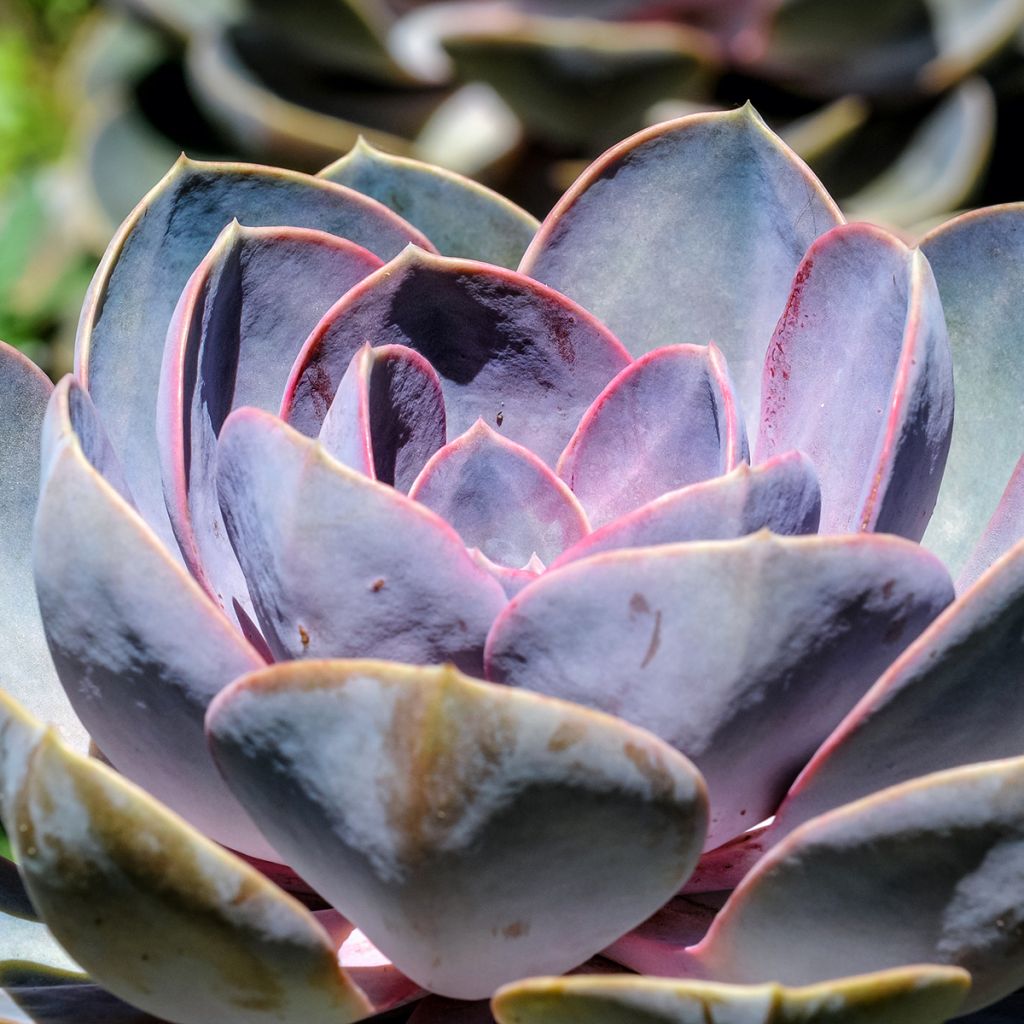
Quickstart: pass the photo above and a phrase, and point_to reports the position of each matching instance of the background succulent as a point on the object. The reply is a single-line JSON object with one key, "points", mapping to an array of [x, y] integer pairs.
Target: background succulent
{"points": [[313, 481]]}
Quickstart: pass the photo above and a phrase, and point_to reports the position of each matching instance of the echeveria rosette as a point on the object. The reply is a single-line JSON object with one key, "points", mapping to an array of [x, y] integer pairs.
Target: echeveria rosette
{"points": [[489, 609]]}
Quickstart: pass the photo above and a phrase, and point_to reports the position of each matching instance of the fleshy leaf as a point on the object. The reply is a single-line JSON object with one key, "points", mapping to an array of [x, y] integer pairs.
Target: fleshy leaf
{"points": [[387, 418], [781, 495], [139, 648], [1004, 530], [953, 698], [858, 376], [26, 669], [157, 914], [911, 995], [342, 566], [147, 265], [501, 498], [976, 259], [511, 580], [507, 350], [924, 872], [667, 420], [468, 839], [706, 201], [237, 328], [777, 636], [461, 217]]}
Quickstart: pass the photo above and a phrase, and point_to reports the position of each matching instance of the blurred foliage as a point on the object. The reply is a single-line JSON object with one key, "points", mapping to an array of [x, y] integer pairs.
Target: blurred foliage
{"points": [[41, 278]]}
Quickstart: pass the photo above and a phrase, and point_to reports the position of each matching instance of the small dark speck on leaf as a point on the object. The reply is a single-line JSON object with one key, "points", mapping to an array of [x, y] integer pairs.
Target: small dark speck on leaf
{"points": [[500, 418], [377, 586], [303, 636]]}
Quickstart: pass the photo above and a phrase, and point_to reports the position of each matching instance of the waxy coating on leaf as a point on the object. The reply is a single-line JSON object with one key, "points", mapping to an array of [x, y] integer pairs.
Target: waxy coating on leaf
{"points": [[158, 914], [342, 566], [909, 995], [508, 350], [461, 217], [1004, 530], [858, 377], [924, 872], [690, 231], [141, 652], [667, 420], [955, 697], [742, 654], [501, 498], [977, 259], [387, 418], [781, 495], [237, 328], [26, 670], [465, 828], [147, 265]]}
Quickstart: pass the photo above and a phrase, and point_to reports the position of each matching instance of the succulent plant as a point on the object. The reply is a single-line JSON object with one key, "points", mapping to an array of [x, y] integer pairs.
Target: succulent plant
{"points": [[445, 627]]}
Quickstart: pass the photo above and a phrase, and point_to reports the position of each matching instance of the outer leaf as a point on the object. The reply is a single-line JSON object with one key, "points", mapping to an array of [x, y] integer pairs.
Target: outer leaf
{"points": [[923, 872], [781, 495], [955, 697], [341, 566], [718, 214], [500, 498], [742, 654], [235, 333], [138, 646], [26, 670], [507, 350], [159, 915], [667, 420], [910, 995], [858, 376], [461, 217], [387, 418], [468, 838], [976, 259], [132, 297]]}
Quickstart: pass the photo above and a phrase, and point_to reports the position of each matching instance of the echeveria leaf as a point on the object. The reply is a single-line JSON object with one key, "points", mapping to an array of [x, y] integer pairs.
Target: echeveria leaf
{"points": [[134, 292], [461, 217], [512, 580], [910, 995], [26, 669], [668, 420], [708, 217], [1004, 530], [955, 697], [742, 654], [469, 838], [236, 331], [508, 350], [142, 652], [781, 495], [342, 566], [976, 259], [858, 376], [501, 498], [387, 418], [159, 915], [924, 872]]}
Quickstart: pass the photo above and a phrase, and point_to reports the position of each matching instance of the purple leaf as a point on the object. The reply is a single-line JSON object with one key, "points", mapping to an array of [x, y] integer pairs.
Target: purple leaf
{"points": [[780, 495], [342, 566], [139, 648], [508, 351], [237, 328], [707, 219], [147, 265], [742, 654], [668, 420], [858, 377], [387, 418], [501, 498]]}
